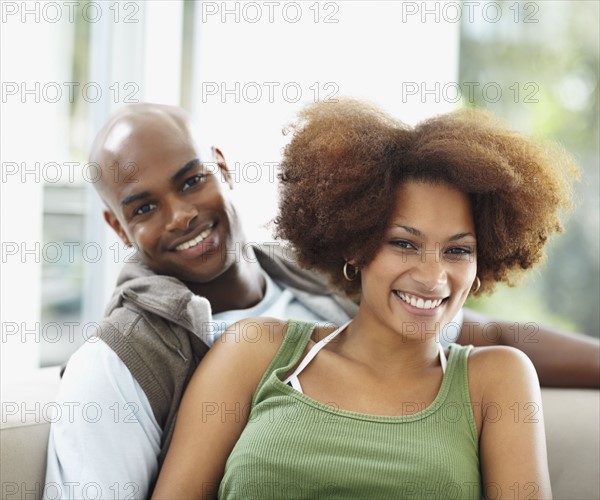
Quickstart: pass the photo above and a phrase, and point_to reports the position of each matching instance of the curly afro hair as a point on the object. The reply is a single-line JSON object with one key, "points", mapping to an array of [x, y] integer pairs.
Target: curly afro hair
{"points": [[341, 170]]}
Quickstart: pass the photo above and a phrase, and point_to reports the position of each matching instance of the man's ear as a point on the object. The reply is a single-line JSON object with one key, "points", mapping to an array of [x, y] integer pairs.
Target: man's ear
{"points": [[219, 159], [113, 222]]}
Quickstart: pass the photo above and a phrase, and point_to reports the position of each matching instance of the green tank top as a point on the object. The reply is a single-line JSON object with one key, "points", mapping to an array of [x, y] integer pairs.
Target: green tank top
{"points": [[294, 447]]}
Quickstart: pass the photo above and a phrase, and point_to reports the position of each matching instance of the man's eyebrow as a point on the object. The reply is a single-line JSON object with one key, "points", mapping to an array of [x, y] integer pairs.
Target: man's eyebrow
{"points": [[186, 168], [416, 232], [134, 197], [181, 172]]}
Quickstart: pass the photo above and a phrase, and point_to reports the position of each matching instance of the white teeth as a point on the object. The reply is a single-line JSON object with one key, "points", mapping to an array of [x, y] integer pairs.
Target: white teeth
{"points": [[419, 302], [195, 241]]}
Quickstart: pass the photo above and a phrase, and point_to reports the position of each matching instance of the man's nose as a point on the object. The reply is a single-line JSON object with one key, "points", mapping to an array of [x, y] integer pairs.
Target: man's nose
{"points": [[182, 214]]}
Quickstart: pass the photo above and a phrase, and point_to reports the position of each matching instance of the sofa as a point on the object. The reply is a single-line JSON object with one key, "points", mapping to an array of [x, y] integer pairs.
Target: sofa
{"points": [[572, 418]]}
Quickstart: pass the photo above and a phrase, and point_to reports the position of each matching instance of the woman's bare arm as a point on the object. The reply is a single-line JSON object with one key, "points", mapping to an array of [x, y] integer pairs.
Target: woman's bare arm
{"points": [[512, 443], [215, 408]]}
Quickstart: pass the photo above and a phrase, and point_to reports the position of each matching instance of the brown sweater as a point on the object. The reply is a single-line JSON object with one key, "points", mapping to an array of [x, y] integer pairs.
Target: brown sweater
{"points": [[154, 323]]}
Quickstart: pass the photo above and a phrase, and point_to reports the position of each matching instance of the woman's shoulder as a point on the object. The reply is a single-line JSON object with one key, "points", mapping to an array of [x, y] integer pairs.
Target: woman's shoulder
{"points": [[253, 334], [261, 338], [498, 360], [244, 351], [501, 371]]}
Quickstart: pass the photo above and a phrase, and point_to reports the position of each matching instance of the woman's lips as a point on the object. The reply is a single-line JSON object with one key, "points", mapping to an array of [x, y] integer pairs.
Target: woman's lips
{"points": [[422, 306], [419, 302]]}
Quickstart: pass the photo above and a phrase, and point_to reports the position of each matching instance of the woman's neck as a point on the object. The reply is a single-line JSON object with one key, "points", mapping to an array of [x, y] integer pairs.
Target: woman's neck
{"points": [[377, 345]]}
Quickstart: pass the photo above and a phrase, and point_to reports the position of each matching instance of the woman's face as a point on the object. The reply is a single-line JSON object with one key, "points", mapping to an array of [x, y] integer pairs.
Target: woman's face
{"points": [[423, 272]]}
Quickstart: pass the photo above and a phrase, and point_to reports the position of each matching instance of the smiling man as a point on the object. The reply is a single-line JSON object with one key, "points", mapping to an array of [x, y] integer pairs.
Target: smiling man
{"points": [[173, 202], [174, 206]]}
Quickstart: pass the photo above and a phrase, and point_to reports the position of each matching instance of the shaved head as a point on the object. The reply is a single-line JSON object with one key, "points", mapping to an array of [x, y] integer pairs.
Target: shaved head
{"points": [[173, 203], [144, 123]]}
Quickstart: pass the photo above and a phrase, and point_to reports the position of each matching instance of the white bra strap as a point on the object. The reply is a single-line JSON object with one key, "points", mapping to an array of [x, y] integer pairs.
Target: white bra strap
{"points": [[295, 381], [293, 378], [442, 358]]}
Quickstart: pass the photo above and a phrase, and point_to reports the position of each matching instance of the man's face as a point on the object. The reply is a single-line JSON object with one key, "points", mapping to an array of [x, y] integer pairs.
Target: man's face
{"points": [[174, 209]]}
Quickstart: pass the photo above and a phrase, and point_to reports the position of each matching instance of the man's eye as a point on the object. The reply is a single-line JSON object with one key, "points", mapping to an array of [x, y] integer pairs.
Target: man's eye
{"points": [[144, 209], [192, 181]]}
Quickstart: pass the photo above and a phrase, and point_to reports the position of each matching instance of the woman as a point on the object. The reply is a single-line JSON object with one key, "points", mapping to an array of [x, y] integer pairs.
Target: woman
{"points": [[410, 221]]}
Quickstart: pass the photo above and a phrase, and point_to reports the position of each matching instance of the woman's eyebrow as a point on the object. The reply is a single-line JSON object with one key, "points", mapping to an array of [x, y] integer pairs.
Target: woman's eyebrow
{"points": [[460, 236], [411, 230], [416, 232]]}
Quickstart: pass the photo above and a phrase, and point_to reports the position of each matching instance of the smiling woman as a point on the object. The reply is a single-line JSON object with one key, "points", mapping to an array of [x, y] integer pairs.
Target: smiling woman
{"points": [[410, 221], [427, 259], [350, 155]]}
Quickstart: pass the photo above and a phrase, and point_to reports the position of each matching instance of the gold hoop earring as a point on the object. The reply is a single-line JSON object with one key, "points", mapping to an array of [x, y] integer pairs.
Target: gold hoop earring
{"points": [[476, 282], [354, 274]]}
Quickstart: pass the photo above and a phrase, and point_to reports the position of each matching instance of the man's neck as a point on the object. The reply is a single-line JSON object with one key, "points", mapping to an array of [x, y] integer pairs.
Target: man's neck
{"points": [[241, 286]]}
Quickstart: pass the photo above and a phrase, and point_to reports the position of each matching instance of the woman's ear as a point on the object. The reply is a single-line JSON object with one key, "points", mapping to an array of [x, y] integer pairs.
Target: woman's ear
{"points": [[351, 261]]}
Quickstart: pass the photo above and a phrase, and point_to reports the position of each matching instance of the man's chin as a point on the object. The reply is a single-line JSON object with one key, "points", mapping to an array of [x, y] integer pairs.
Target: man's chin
{"points": [[200, 274]]}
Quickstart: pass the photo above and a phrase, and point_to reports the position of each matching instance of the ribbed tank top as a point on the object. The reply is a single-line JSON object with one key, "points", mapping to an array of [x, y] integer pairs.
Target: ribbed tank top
{"points": [[294, 447]]}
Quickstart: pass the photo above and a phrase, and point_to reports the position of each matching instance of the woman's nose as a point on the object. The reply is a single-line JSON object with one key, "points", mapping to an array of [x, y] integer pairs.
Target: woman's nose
{"points": [[429, 271]]}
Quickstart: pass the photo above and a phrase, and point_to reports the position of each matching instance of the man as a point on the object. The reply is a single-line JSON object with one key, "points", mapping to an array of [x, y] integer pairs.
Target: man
{"points": [[195, 276]]}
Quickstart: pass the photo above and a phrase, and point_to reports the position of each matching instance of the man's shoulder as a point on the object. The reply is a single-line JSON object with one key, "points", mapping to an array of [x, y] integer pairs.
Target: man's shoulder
{"points": [[95, 361], [279, 262], [137, 282]]}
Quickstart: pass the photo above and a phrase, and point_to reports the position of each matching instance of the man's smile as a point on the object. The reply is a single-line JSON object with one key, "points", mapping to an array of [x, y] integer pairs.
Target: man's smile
{"points": [[194, 240]]}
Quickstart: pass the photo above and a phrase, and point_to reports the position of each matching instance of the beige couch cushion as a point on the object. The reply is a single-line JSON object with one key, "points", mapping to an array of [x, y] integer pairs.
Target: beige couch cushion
{"points": [[27, 409], [572, 420]]}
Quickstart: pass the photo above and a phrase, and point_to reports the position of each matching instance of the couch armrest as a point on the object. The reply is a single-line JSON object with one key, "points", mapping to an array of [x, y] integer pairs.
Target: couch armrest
{"points": [[27, 409], [572, 418]]}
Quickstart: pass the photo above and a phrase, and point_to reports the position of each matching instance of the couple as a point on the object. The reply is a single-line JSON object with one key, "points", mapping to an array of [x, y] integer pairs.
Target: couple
{"points": [[407, 223]]}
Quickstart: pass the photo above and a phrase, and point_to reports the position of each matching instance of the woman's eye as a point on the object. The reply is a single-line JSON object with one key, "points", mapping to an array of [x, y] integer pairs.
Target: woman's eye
{"points": [[459, 253], [144, 209], [402, 244], [192, 181]]}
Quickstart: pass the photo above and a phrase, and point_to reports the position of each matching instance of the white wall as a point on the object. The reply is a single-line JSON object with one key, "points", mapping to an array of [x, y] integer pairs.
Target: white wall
{"points": [[34, 121], [356, 48], [248, 53]]}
